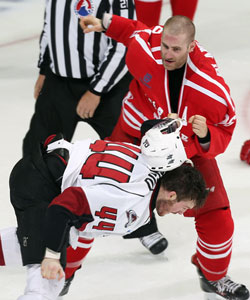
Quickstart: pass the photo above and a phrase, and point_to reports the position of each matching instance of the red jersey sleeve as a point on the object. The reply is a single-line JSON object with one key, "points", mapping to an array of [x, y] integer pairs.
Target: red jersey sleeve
{"points": [[122, 29]]}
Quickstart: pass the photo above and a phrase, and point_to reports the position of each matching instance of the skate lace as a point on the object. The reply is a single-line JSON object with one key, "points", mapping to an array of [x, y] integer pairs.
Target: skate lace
{"points": [[149, 240], [225, 285]]}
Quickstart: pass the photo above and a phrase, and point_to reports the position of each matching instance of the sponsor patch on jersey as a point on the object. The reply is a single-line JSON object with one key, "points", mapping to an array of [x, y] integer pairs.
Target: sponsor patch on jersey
{"points": [[84, 8], [132, 217]]}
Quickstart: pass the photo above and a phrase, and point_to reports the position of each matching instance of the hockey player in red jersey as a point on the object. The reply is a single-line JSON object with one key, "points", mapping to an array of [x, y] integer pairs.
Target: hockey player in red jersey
{"points": [[174, 75]]}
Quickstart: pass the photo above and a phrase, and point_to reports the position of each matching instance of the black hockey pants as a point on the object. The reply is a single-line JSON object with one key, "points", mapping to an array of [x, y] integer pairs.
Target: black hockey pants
{"points": [[32, 188]]}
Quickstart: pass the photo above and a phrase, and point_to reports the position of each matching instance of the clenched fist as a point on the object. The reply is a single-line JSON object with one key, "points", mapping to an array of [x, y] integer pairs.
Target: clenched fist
{"points": [[51, 269]]}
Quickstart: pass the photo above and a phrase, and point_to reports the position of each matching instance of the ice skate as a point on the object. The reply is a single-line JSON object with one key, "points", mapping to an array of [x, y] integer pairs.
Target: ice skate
{"points": [[225, 287], [65, 288]]}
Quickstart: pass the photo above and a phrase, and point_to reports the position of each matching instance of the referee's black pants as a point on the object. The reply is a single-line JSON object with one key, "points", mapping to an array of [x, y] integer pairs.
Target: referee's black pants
{"points": [[55, 109]]}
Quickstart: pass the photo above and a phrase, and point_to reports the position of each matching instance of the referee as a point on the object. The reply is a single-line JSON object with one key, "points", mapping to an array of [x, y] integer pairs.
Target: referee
{"points": [[82, 77]]}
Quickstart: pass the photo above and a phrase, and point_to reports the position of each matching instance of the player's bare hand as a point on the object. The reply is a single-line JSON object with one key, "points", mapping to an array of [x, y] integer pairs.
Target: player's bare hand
{"points": [[173, 116], [87, 105], [38, 85], [199, 125], [91, 23], [51, 269]]}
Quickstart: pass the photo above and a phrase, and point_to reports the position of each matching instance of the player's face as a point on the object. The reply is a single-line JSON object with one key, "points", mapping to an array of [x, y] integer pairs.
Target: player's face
{"points": [[174, 50], [166, 203]]}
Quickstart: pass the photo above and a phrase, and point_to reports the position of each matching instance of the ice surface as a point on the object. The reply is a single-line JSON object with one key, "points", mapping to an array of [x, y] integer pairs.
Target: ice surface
{"points": [[118, 269]]}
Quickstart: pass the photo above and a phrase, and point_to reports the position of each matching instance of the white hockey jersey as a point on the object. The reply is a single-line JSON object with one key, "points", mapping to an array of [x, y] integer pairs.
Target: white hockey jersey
{"points": [[109, 181]]}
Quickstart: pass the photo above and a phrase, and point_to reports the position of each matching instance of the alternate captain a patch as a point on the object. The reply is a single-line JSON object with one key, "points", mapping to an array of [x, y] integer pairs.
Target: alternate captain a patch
{"points": [[84, 8]]}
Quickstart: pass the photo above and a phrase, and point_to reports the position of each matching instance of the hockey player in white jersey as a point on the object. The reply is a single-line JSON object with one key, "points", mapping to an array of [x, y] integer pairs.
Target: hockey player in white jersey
{"points": [[111, 172], [96, 175]]}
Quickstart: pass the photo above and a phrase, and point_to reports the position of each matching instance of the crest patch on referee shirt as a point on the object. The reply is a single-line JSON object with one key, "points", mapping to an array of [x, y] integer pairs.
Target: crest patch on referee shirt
{"points": [[84, 8]]}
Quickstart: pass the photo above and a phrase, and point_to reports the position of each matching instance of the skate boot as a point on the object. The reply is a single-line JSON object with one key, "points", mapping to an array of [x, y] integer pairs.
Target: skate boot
{"points": [[66, 286], [156, 243], [224, 287]]}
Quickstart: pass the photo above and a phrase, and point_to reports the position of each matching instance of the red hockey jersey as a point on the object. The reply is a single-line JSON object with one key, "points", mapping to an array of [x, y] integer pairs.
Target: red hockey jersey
{"points": [[203, 91]]}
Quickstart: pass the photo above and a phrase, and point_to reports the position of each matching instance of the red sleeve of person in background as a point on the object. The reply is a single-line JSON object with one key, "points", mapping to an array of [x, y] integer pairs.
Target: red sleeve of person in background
{"points": [[149, 12]]}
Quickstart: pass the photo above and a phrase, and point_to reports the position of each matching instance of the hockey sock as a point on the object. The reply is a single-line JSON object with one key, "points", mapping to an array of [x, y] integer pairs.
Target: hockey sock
{"points": [[184, 8], [148, 11], [214, 243], [76, 256]]}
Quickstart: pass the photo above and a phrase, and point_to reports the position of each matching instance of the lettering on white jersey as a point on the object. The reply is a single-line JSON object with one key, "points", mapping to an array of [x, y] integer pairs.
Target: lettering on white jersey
{"points": [[102, 163], [106, 213]]}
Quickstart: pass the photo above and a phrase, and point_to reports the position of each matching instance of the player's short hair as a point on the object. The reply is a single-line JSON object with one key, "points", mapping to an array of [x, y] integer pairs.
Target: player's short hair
{"points": [[180, 24], [187, 182]]}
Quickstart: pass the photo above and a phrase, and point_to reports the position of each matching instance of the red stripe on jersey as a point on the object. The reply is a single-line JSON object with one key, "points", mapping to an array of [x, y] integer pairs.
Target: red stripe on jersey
{"points": [[74, 200], [85, 241]]}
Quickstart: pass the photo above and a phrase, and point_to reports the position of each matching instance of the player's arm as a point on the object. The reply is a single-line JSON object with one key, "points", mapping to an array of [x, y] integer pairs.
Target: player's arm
{"points": [[221, 120], [210, 139], [69, 209], [113, 61], [118, 28]]}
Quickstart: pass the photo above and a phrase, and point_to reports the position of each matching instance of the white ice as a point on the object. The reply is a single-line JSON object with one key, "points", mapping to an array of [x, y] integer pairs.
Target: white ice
{"points": [[118, 269]]}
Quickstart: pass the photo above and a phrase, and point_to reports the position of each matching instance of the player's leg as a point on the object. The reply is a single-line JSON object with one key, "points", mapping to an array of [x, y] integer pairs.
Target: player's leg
{"points": [[39, 288], [148, 11], [10, 253], [184, 8], [75, 257], [213, 253], [31, 191]]}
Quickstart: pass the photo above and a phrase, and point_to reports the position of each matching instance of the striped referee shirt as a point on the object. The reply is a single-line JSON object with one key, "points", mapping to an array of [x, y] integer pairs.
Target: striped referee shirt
{"points": [[73, 54]]}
